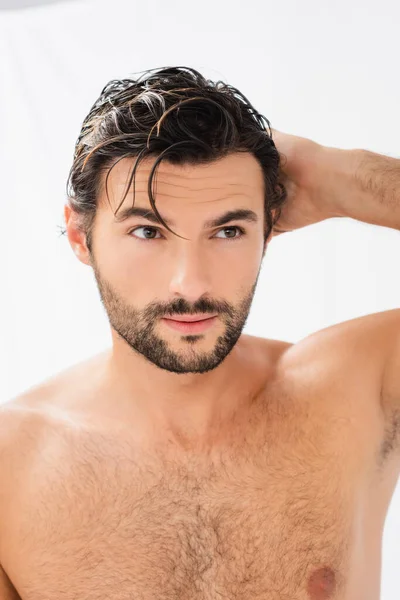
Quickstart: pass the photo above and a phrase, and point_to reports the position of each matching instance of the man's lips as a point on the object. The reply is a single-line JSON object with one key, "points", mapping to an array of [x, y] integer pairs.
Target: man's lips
{"points": [[190, 318], [193, 326]]}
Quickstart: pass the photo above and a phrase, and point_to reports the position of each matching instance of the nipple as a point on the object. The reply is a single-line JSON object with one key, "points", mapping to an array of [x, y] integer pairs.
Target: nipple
{"points": [[322, 583]]}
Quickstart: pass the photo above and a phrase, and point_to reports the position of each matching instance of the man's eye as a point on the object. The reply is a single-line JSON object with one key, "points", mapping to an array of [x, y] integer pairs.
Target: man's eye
{"points": [[233, 228], [147, 229], [153, 230]]}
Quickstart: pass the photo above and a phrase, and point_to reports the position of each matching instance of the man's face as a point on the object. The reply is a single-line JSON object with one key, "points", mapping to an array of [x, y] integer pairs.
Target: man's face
{"points": [[145, 273]]}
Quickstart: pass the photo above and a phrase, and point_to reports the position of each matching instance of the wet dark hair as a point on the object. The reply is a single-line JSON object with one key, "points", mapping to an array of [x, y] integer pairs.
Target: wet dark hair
{"points": [[173, 113]]}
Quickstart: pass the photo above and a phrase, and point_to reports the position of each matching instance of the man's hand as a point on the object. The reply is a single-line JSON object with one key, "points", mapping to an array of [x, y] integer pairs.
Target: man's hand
{"points": [[324, 182], [303, 175]]}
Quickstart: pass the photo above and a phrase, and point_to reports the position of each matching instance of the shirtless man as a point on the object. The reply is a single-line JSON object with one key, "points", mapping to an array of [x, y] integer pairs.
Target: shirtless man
{"points": [[191, 461]]}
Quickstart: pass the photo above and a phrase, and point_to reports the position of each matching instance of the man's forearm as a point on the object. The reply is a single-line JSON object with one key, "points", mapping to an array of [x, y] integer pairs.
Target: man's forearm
{"points": [[362, 185]]}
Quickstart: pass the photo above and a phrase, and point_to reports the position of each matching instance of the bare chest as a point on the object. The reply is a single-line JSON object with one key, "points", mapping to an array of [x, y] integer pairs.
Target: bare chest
{"points": [[272, 515]]}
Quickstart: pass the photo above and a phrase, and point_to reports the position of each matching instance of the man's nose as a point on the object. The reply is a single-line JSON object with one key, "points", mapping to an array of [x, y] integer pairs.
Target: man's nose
{"points": [[190, 275]]}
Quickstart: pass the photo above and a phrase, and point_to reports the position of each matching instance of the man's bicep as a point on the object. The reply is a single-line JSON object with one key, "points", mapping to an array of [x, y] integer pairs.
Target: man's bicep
{"points": [[378, 335], [374, 342], [391, 374]]}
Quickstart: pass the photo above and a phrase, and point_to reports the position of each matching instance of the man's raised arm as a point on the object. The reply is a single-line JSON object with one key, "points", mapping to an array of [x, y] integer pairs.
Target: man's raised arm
{"points": [[325, 182]]}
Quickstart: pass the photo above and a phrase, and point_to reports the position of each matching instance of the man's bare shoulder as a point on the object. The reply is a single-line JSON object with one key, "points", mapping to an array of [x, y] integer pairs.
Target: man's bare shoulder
{"points": [[341, 364], [355, 345], [354, 341], [27, 418], [17, 423]]}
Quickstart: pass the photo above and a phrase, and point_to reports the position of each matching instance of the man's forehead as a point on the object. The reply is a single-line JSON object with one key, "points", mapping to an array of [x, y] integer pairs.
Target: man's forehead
{"points": [[239, 170], [237, 186]]}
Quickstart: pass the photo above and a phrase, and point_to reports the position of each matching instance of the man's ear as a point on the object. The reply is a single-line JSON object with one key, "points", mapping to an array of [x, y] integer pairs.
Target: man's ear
{"points": [[76, 236]]}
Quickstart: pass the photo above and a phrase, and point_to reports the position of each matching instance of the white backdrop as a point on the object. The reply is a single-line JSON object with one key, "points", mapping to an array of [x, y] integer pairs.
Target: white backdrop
{"points": [[327, 71]]}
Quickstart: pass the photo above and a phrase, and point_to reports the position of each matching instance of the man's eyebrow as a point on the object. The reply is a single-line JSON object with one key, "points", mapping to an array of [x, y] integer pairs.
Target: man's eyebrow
{"points": [[239, 214]]}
